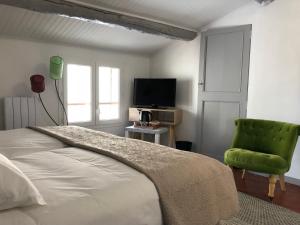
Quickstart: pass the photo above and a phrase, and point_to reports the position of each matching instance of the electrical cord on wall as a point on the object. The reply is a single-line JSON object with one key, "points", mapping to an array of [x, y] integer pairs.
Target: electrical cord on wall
{"points": [[47, 111], [62, 104]]}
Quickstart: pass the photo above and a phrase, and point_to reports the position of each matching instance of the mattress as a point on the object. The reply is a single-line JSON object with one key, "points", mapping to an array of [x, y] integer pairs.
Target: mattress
{"points": [[79, 186]]}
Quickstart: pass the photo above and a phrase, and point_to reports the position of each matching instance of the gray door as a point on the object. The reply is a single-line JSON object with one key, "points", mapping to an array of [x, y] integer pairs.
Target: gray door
{"points": [[223, 86]]}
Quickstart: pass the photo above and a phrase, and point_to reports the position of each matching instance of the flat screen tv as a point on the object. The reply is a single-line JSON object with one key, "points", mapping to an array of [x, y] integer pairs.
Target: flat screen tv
{"points": [[154, 92]]}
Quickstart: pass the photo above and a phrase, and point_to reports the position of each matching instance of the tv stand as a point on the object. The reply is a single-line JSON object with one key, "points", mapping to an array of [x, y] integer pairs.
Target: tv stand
{"points": [[169, 117]]}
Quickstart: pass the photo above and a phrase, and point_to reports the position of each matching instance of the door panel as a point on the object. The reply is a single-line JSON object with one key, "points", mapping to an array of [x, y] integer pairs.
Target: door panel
{"points": [[223, 87], [223, 73], [218, 126]]}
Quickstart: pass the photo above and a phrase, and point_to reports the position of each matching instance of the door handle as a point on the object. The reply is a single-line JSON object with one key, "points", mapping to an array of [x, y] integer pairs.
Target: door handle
{"points": [[200, 83]]}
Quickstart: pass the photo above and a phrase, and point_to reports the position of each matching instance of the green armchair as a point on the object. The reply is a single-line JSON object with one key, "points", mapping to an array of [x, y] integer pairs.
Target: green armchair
{"points": [[263, 146]]}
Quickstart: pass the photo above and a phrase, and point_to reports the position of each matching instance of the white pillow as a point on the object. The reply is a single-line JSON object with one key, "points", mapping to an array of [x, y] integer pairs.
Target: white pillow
{"points": [[16, 190]]}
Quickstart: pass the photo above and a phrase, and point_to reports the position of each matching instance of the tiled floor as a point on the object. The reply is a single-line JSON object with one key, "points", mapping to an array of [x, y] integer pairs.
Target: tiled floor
{"points": [[257, 186]]}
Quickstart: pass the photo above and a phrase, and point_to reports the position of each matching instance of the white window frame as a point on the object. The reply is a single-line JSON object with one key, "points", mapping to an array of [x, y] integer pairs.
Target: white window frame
{"points": [[65, 81], [94, 94], [112, 121]]}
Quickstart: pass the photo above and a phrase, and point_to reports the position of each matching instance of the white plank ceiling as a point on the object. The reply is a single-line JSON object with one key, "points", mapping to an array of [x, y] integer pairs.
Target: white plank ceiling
{"points": [[24, 24], [185, 13]]}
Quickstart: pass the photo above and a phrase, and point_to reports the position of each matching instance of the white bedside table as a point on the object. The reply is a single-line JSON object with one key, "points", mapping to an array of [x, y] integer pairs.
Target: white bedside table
{"points": [[157, 132]]}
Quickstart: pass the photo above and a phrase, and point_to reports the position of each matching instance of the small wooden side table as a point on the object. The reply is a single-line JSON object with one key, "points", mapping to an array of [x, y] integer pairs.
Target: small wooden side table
{"points": [[157, 132]]}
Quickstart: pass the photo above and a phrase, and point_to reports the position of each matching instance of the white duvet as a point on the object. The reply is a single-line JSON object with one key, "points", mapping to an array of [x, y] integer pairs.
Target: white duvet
{"points": [[79, 186]]}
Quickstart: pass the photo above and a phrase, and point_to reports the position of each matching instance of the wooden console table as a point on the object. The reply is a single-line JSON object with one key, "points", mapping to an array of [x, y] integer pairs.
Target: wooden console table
{"points": [[170, 118]]}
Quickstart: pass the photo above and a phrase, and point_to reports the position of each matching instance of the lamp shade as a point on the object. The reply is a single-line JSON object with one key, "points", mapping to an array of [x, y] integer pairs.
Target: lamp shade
{"points": [[37, 83], [56, 67]]}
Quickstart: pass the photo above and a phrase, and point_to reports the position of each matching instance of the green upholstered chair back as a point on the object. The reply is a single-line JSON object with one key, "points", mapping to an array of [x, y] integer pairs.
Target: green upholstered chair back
{"points": [[266, 136]]}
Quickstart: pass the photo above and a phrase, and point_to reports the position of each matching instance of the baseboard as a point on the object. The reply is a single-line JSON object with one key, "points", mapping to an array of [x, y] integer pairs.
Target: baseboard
{"points": [[288, 179], [292, 180]]}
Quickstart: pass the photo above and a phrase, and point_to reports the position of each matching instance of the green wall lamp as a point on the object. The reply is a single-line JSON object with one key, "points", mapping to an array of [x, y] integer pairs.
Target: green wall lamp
{"points": [[56, 67], [56, 73]]}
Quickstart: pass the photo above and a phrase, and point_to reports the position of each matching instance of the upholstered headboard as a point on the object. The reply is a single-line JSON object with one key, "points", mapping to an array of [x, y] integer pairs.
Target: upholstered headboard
{"points": [[19, 112]]}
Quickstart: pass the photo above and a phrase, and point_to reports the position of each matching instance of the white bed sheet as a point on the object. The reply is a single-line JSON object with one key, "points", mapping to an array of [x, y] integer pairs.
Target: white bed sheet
{"points": [[79, 186], [25, 141]]}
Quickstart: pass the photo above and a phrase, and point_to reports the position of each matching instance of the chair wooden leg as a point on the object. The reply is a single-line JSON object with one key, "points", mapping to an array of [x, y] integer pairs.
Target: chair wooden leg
{"points": [[272, 184], [282, 182], [243, 175]]}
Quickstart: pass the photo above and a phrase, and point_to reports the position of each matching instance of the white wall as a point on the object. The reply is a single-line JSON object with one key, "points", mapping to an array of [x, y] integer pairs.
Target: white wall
{"points": [[181, 60], [19, 59], [274, 79]]}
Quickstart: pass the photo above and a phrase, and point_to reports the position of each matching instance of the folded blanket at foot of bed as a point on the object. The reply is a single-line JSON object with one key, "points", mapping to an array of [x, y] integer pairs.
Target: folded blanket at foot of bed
{"points": [[194, 189]]}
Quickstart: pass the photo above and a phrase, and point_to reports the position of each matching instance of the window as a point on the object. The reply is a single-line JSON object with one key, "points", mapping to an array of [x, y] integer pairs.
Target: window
{"points": [[109, 93], [82, 91], [79, 93]]}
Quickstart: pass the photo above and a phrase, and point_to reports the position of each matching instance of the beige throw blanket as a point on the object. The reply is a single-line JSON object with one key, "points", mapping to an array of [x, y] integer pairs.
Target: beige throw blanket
{"points": [[193, 189]]}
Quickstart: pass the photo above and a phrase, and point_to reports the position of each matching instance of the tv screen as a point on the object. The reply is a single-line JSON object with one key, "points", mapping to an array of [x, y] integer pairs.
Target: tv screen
{"points": [[154, 92]]}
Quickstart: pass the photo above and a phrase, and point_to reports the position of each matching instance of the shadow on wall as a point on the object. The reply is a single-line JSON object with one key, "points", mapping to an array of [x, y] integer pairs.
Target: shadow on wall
{"points": [[186, 131], [184, 93]]}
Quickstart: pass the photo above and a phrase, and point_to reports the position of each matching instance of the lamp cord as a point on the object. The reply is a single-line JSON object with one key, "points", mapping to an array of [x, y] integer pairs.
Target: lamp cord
{"points": [[62, 104], [47, 111]]}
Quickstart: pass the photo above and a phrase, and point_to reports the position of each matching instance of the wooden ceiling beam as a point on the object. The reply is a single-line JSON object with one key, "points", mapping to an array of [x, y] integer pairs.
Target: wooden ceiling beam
{"points": [[75, 10]]}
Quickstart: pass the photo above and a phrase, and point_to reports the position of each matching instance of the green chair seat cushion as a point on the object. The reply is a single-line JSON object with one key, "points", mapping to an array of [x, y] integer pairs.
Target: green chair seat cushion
{"points": [[256, 161]]}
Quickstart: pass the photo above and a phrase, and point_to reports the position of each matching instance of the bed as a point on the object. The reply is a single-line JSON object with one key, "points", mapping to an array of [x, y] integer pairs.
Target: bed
{"points": [[87, 187]]}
